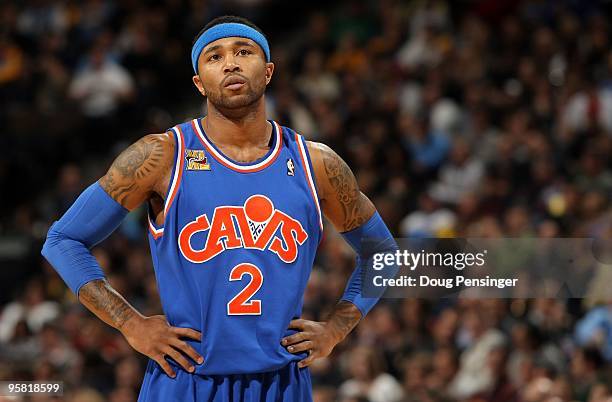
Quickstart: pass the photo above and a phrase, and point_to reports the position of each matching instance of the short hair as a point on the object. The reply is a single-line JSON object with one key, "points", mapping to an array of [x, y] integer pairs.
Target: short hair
{"points": [[226, 19]]}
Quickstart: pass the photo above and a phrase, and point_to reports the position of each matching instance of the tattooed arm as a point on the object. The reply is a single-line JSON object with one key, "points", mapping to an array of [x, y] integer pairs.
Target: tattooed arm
{"points": [[346, 208], [343, 204], [137, 175], [152, 336], [141, 173]]}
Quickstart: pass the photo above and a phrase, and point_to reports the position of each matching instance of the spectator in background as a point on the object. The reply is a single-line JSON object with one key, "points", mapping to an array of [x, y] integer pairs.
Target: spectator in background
{"points": [[475, 374], [33, 309], [427, 149], [417, 368], [429, 220], [525, 342], [501, 388], [424, 48], [368, 379], [588, 109], [101, 88], [585, 371], [57, 350], [445, 363], [315, 82], [459, 176], [595, 329]]}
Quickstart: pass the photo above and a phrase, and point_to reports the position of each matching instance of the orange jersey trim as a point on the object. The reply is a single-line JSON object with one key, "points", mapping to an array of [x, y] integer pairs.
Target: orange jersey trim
{"points": [[241, 168]]}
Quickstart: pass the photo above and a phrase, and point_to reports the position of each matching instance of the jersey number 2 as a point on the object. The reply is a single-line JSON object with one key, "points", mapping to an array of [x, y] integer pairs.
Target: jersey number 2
{"points": [[240, 304]]}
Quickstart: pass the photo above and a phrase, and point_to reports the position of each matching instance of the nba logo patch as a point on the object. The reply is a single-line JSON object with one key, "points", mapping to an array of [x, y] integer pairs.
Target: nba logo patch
{"points": [[290, 167], [195, 159]]}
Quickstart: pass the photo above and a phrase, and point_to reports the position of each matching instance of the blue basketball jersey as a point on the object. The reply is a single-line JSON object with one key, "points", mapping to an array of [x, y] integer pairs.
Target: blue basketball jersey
{"points": [[236, 247]]}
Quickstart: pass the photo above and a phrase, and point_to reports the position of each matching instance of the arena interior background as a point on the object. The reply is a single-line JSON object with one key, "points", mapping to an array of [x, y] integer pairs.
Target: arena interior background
{"points": [[459, 118]]}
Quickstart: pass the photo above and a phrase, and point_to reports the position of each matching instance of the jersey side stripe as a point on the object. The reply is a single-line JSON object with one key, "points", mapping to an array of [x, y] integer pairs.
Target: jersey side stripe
{"points": [[309, 178], [178, 169]]}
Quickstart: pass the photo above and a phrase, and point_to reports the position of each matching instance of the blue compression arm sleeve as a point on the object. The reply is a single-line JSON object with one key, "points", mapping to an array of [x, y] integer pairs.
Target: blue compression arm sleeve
{"points": [[91, 219], [368, 239]]}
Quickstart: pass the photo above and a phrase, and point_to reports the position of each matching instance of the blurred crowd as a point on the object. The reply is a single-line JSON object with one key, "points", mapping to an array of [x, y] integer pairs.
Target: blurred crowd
{"points": [[470, 119]]}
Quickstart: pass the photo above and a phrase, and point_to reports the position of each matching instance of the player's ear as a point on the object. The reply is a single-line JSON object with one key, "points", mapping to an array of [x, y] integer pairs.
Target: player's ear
{"points": [[198, 83], [269, 72]]}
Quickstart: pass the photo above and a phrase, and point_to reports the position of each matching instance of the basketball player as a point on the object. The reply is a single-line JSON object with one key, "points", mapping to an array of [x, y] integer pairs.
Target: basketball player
{"points": [[235, 207]]}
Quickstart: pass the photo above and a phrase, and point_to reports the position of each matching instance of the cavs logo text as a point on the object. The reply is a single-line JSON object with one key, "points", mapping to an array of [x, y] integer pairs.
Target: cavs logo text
{"points": [[257, 226]]}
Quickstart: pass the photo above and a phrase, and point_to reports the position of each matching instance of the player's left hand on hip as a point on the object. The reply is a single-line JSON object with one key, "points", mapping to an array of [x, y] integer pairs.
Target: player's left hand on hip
{"points": [[315, 337]]}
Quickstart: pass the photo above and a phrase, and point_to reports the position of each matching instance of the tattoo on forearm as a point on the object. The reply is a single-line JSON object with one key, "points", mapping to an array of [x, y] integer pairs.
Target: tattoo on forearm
{"points": [[105, 302], [344, 318], [347, 192]]}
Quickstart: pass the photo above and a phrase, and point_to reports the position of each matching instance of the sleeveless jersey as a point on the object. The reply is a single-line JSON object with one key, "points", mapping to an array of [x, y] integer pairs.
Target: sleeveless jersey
{"points": [[236, 248]]}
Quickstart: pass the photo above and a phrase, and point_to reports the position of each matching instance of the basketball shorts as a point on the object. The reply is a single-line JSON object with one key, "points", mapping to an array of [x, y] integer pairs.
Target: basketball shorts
{"points": [[288, 384]]}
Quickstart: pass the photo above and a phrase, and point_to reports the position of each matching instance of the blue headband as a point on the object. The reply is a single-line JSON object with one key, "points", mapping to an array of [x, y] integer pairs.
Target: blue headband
{"points": [[227, 30]]}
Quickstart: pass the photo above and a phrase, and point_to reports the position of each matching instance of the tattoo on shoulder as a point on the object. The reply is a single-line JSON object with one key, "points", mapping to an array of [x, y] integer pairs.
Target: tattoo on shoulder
{"points": [[139, 159], [354, 204], [132, 166]]}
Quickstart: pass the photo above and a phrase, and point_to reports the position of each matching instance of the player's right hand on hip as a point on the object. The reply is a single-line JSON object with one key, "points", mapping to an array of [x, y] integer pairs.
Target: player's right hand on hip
{"points": [[155, 338]]}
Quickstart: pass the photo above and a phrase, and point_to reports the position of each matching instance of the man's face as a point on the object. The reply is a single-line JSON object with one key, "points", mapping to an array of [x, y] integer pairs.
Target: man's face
{"points": [[233, 72]]}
